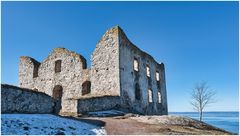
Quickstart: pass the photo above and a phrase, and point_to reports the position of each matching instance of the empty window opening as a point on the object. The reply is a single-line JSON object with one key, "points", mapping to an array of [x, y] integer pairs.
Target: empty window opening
{"points": [[158, 85], [58, 66], [137, 91], [35, 70], [148, 71], [86, 87], [157, 76], [135, 64], [84, 62], [57, 97], [57, 92], [150, 95], [159, 97]]}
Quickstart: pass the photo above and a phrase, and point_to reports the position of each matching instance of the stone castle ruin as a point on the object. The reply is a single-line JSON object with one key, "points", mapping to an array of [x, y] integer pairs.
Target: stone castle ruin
{"points": [[121, 76]]}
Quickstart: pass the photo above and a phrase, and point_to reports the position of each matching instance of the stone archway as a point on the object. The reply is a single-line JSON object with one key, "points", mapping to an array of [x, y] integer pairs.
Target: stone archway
{"points": [[57, 97]]}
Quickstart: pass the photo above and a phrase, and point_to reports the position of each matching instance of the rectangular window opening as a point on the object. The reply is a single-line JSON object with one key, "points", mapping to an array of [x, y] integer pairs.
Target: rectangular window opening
{"points": [[35, 70], [148, 71], [150, 96], [157, 76], [58, 66], [136, 65], [159, 97]]}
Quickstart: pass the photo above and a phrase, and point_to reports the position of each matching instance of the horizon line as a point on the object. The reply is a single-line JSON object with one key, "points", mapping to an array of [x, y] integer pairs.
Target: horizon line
{"points": [[203, 111]]}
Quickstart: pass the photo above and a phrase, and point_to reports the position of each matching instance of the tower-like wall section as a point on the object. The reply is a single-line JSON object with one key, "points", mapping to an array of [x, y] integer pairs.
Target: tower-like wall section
{"points": [[105, 65], [138, 83], [27, 65]]}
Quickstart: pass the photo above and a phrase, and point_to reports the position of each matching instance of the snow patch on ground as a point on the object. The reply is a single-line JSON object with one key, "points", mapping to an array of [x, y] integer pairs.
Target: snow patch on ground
{"points": [[45, 124]]}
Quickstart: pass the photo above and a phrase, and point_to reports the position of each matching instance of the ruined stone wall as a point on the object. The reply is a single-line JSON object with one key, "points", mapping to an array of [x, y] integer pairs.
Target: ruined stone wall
{"points": [[73, 73], [105, 65], [131, 78], [111, 74], [98, 103], [163, 90], [26, 70], [19, 100]]}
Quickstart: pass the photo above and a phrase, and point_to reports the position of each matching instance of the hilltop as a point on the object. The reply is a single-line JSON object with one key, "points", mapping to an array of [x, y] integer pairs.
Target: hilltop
{"points": [[118, 123]]}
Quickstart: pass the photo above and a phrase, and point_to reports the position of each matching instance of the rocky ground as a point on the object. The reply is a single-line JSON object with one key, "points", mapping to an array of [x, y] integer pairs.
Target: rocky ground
{"points": [[131, 124], [105, 122]]}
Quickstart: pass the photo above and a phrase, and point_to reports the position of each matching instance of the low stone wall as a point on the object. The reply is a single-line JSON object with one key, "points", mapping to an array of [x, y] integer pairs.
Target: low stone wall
{"points": [[20, 100], [98, 103]]}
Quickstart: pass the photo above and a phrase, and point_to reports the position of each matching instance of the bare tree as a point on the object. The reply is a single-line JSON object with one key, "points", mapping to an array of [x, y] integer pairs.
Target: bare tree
{"points": [[202, 96]]}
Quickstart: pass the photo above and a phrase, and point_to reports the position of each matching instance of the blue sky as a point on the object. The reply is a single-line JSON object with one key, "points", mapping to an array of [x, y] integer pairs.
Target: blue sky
{"points": [[197, 41]]}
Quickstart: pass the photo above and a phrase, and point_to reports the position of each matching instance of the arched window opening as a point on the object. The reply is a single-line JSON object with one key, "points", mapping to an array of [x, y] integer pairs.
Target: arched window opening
{"points": [[150, 96], [58, 66], [86, 87], [135, 64], [137, 92]]}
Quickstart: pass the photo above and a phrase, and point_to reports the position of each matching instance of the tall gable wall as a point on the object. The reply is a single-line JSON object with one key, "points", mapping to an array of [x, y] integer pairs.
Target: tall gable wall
{"points": [[105, 65]]}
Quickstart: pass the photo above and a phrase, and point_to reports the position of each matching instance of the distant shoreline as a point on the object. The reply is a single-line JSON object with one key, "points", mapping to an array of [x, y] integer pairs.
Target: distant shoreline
{"points": [[203, 112], [226, 120]]}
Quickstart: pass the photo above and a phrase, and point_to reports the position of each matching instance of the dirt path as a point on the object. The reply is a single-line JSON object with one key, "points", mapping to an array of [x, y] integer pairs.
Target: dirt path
{"points": [[124, 127], [129, 126]]}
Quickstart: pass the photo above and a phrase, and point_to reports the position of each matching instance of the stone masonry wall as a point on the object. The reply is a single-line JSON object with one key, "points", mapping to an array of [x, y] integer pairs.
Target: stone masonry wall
{"points": [[26, 68], [98, 103], [73, 73], [163, 90], [19, 100], [129, 79], [105, 65], [64, 76]]}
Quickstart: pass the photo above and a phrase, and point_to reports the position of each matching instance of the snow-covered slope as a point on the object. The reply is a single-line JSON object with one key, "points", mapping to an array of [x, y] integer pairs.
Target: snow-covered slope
{"points": [[45, 124]]}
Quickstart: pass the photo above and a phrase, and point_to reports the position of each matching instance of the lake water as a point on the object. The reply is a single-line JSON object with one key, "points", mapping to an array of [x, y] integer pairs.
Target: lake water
{"points": [[226, 120]]}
